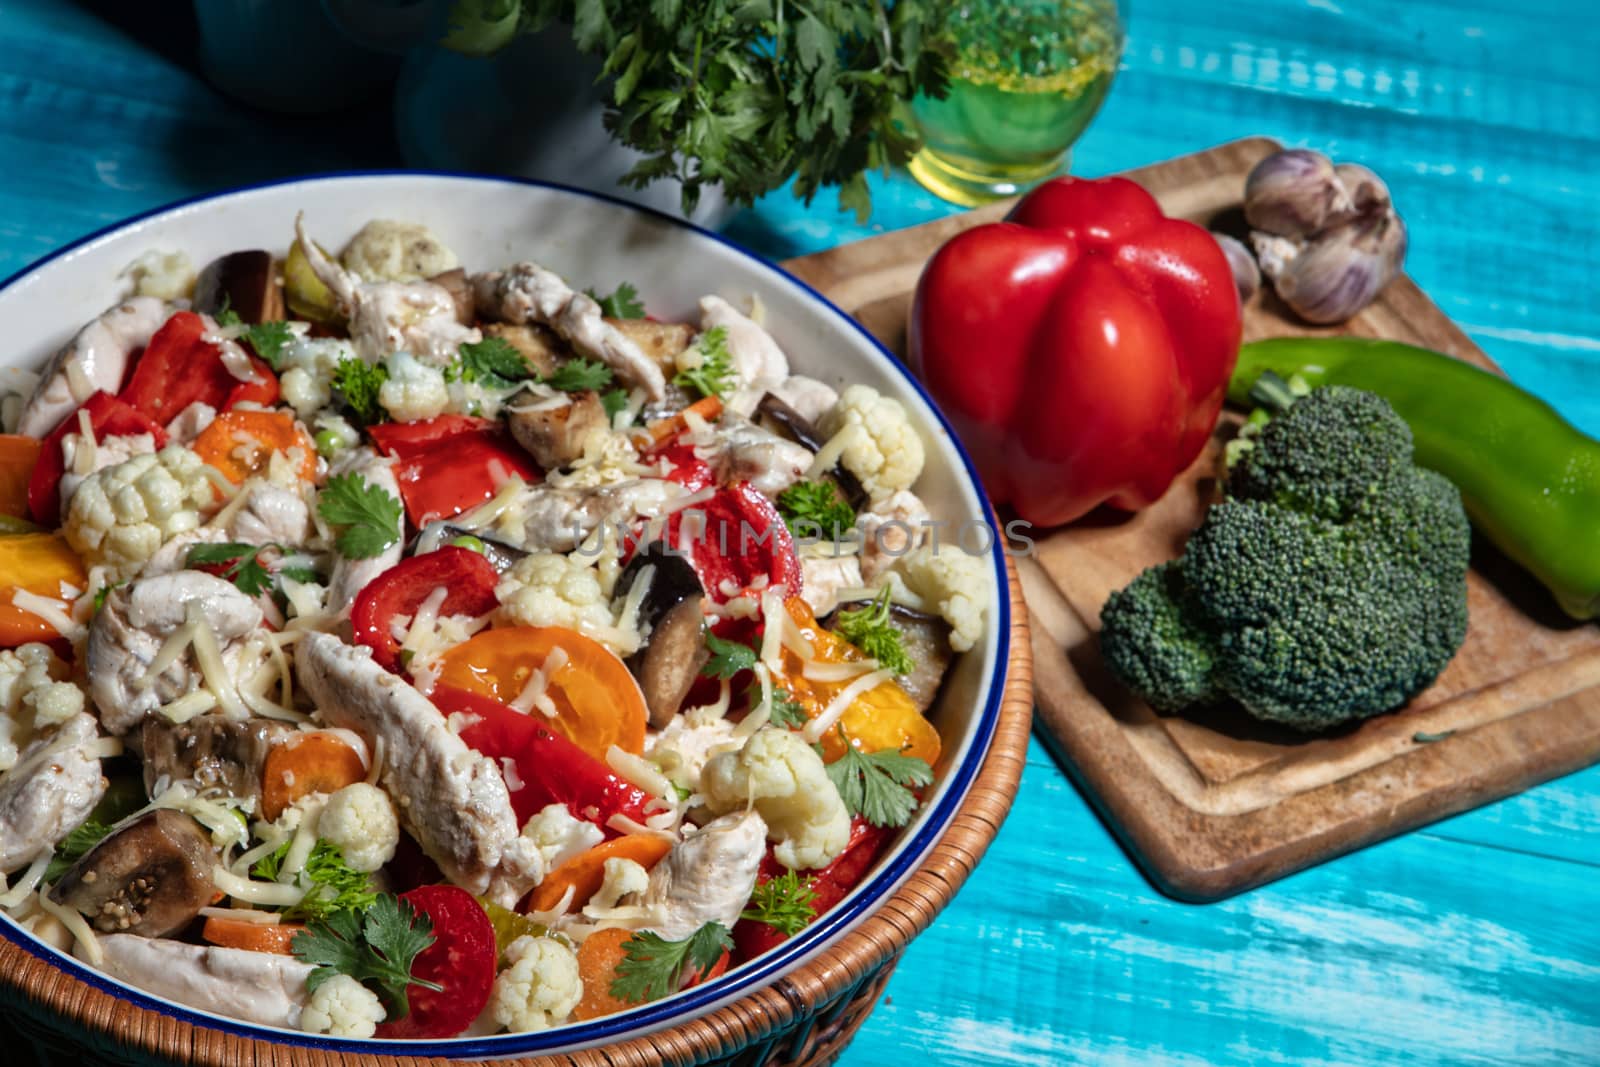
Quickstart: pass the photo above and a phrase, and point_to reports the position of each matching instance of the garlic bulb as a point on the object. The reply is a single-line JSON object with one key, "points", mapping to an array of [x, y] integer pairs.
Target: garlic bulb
{"points": [[1245, 273], [1327, 236]]}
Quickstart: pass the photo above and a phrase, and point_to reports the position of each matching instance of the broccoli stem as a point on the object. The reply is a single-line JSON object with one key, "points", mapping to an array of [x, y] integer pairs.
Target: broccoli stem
{"points": [[1272, 393]]}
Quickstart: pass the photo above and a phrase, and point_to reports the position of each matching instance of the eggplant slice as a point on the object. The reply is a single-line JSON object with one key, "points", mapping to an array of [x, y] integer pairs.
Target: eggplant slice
{"points": [[775, 414], [501, 555], [926, 639], [670, 661], [538, 344], [554, 434], [245, 283], [150, 877], [212, 751]]}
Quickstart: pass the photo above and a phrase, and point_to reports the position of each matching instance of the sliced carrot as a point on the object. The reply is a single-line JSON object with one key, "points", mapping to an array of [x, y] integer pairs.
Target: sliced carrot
{"points": [[253, 937], [241, 443], [598, 702], [315, 762], [598, 957], [37, 563], [585, 872], [18, 454], [707, 407]]}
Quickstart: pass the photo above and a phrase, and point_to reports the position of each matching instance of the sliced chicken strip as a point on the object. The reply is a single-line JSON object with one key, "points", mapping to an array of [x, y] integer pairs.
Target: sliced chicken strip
{"points": [[745, 452], [527, 292], [822, 578], [558, 520], [51, 790], [452, 799], [707, 877], [258, 987], [758, 362], [129, 631], [351, 575], [174, 555], [811, 398], [272, 513], [388, 317], [97, 358]]}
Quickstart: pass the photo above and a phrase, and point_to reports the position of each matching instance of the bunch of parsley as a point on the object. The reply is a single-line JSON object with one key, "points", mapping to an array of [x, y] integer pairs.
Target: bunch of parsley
{"points": [[746, 93]]}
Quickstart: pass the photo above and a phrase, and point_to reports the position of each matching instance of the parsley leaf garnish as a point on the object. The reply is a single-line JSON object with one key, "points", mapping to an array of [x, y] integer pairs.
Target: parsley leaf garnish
{"points": [[370, 516], [874, 785], [377, 949], [242, 564], [493, 363], [714, 375], [614, 400], [785, 711], [72, 847], [103, 592], [652, 967], [784, 903], [815, 509], [870, 630], [728, 658], [332, 885], [225, 315], [358, 384], [269, 339], [622, 304], [576, 375]]}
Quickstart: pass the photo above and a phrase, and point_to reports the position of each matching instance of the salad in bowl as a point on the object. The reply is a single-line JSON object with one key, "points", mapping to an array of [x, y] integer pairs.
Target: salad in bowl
{"points": [[406, 648]]}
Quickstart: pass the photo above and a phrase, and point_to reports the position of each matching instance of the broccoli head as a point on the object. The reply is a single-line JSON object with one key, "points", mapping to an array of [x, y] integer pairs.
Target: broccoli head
{"points": [[1328, 587]]}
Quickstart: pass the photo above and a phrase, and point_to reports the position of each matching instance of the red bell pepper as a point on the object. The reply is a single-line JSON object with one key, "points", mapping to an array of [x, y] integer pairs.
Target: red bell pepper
{"points": [[1081, 348], [735, 539], [829, 885], [461, 961], [451, 463], [551, 769], [108, 417], [180, 367], [401, 589]]}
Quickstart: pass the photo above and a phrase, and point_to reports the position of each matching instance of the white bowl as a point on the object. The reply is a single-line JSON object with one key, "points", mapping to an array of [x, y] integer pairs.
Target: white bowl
{"points": [[593, 241]]}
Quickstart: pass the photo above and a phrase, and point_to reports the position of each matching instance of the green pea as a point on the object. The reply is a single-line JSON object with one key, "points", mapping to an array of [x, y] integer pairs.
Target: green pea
{"points": [[329, 443], [468, 542]]}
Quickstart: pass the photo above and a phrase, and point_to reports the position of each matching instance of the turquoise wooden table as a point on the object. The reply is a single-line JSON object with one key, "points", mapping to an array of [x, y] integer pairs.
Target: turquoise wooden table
{"points": [[1473, 941]]}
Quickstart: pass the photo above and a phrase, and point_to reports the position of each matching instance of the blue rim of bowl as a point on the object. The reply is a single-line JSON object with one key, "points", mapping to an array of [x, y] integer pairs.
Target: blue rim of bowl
{"points": [[691, 1003]]}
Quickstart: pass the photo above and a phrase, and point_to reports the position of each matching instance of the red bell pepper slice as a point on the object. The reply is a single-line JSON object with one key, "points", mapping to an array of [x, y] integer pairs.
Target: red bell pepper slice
{"points": [[829, 885], [401, 589], [1108, 332], [461, 960], [552, 769], [735, 539], [449, 464], [108, 417], [686, 468], [180, 367]]}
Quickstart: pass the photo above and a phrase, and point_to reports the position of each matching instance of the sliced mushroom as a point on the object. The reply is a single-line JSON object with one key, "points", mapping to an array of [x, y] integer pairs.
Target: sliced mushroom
{"points": [[775, 414], [150, 877], [538, 344], [926, 639], [212, 751], [456, 284], [671, 610], [553, 428], [498, 553], [661, 341], [244, 282]]}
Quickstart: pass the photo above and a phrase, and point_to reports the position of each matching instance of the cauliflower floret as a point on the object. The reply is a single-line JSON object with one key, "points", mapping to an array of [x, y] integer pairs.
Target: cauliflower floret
{"points": [[306, 367], [413, 390], [389, 251], [120, 516], [622, 878], [539, 987], [682, 748], [784, 779], [954, 583], [33, 695], [81, 461], [549, 589], [558, 835], [886, 453], [342, 1007], [163, 275], [360, 821]]}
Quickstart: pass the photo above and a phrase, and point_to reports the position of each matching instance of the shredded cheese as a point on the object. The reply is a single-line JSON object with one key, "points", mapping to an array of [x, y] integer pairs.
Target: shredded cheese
{"points": [[828, 455], [776, 620], [818, 671], [51, 611], [638, 772], [816, 728], [269, 894], [426, 619], [76, 926], [78, 382], [247, 915], [624, 825], [29, 881], [535, 694], [186, 707], [508, 771], [209, 655]]}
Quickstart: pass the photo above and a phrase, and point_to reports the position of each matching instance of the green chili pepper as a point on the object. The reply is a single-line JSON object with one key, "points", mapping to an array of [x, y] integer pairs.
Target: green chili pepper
{"points": [[1530, 480]]}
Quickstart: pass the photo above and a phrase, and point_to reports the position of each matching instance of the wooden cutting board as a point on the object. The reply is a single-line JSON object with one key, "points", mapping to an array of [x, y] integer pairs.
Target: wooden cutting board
{"points": [[1215, 804]]}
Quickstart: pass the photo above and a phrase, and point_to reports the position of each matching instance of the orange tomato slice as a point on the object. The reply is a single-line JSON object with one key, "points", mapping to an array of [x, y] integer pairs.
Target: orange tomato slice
{"points": [[38, 563], [883, 717], [308, 763], [598, 702], [586, 871], [241, 443]]}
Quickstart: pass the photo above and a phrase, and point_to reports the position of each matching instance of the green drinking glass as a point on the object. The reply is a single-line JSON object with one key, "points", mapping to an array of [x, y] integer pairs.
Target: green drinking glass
{"points": [[1028, 77]]}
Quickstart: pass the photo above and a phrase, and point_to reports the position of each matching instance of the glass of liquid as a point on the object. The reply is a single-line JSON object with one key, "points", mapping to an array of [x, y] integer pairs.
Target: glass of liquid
{"points": [[1027, 78]]}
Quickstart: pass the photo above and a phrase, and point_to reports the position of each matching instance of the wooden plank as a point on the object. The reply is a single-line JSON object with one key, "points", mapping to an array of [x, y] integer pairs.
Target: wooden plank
{"points": [[1214, 805]]}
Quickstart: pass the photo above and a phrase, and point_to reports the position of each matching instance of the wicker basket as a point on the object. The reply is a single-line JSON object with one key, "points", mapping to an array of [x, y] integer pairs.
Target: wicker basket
{"points": [[804, 1019]]}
